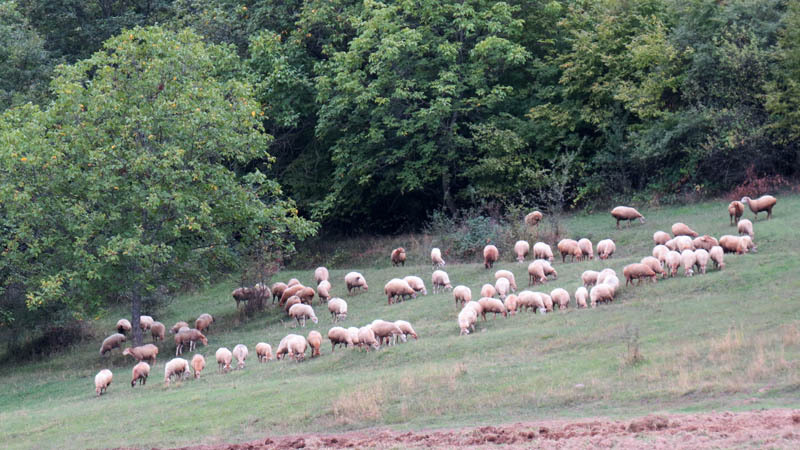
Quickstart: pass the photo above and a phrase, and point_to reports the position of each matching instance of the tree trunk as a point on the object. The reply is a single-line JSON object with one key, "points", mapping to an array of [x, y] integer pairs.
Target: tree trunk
{"points": [[136, 311], [447, 196]]}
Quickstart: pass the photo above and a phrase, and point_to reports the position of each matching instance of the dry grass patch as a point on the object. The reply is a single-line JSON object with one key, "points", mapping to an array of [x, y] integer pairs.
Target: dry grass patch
{"points": [[359, 405]]}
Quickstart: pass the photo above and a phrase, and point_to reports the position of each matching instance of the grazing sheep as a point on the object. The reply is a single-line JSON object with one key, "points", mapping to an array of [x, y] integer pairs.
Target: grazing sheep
{"points": [[338, 309], [606, 248], [510, 303], [407, 330], [314, 341], [320, 274], [533, 218], [705, 242], [637, 271], [536, 273], [293, 282], [681, 229], [462, 294], [355, 280], [203, 322], [560, 297], [502, 287], [416, 284], [385, 331], [613, 283], [242, 294], [224, 358], [176, 367], [436, 258], [586, 248], [277, 291], [745, 227], [191, 336], [673, 261], [735, 211], [111, 342], [123, 326], [521, 249], [297, 346], [441, 281], [466, 321], [542, 251], [604, 274], [508, 275], [589, 277], [490, 256], [306, 295], [569, 247], [177, 327], [145, 322], [240, 353], [302, 312], [399, 256], [157, 331], [660, 253], [366, 338], [547, 300], [264, 352], [687, 261], [716, 254], [600, 293], [655, 265], [660, 237], [398, 290], [147, 351], [626, 213], [747, 245], [701, 259], [670, 244], [487, 290], [102, 381], [140, 373], [289, 292], [763, 203], [581, 297], [323, 291], [339, 335], [736, 244], [683, 243], [530, 300], [293, 300], [492, 305], [548, 269], [353, 332], [198, 364]]}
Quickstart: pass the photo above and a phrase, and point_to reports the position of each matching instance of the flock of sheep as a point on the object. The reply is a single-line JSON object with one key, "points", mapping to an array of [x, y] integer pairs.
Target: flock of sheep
{"points": [[684, 248]]}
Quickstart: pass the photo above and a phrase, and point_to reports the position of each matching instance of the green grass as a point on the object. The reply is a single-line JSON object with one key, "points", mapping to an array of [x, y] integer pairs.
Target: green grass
{"points": [[726, 340]]}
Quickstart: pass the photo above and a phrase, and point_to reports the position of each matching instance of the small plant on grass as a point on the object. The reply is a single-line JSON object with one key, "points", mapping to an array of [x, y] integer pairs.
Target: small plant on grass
{"points": [[632, 354]]}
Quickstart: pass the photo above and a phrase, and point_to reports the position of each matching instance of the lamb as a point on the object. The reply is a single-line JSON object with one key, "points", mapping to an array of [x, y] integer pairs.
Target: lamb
{"points": [[140, 373], [416, 284], [490, 256], [191, 336], [240, 353], [441, 281], [683, 243], [436, 258], [102, 381], [398, 290], [763, 203], [521, 249], [542, 251], [533, 218], [536, 273], [314, 341], [687, 260], [589, 277], [600, 293], [655, 265], [320, 274], [606, 248], [604, 274], [224, 357], [177, 367], [399, 256], [338, 309], [339, 335], [385, 331], [586, 248], [493, 305], [487, 290], [264, 352], [626, 213], [705, 242], [716, 254], [701, 259], [277, 290], [177, 327], [366, 338], [157, 330], [353, 332], [660, 252], [302, 312], [660, 237], [355, 280], [560, 297], [306, 295], [462, 294], [198, 364], [203, 322], [637, 271], [502, 286], [508, 275], [407, 330], [323, 291], [123, 326], [569, 247], [681, 229], [466, 321], [673, 261], [735, 211], [147, 351], [530, 300], [510, 303], [581, 297], [111, 342], [745, 227]]}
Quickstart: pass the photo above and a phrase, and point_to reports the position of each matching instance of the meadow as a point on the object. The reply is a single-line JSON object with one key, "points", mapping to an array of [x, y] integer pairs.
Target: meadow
{"points": [[727, 340]]}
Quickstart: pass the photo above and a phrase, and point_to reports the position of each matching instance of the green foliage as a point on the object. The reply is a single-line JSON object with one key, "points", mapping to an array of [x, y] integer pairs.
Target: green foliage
{"points": [[783, 93], [25, 68]]}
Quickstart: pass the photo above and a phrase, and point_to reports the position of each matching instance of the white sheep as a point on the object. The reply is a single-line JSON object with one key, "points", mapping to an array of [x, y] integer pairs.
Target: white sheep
{"points": [[717, 255], [589, 277], [509, 276], [492, 305], [600, 293], [324, 290], [530, 300], [139, 373], [536, 272], [569, 247], [701, 257], [355, 280], [687, 260], [605, 273], [145, 322], [487, 290], [681, 229], [462, 294], [177, 367], [407, 330], [102, 381], [111, 342], [560, 297], [655, 265], [466, 320], [224, 358], [521, 249], [397, 290], [660, 237], [660, 252], [683, 243], [240, 353], [416, 284], [301, 312], [673, 261], [511, 303], [264, 352], [436, 258], [542, 251], [581, 297], [586, 248], [745, 227], [337, 308], [366, 338], [606, 248], [735, 211], [321, 274], [441, 281], [626, 213], [502, 287]]}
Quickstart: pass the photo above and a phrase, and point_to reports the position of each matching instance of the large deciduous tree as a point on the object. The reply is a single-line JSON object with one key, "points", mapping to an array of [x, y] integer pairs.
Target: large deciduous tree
{"points": [[24, 64]]}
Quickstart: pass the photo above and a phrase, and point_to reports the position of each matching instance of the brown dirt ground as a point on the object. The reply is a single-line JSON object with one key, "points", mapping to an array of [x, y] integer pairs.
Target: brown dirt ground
{"points": [[778, 428]]}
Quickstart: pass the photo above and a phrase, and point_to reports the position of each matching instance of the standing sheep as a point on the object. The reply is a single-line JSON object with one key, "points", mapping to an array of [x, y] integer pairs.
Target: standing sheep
{"points": [[145, 322], [293, 300], [548, 269], [600, 293], [705, 242], [605, 274], [530, 300], [203, 322], [293, 282], [492, 305], [660, 237], [673, 261], [277, 290], [735, 211], [140, 373], [123, 326], [681, 229], [102, 381], [589, 277], [586, 248], [177, 327], [655, 265], [683, 243], [307, 295], [462, 294], [177, 367], [717, 255], [701, 257], [507, 275], [606, 248], [398, 290], [502, 286], [339, 335], [490, 256], [440, 281], [511, 303], [745, 227], [147, 351], [521, 249], [302, 312], [157, 331], [191, 336], [626, 213], [366, 338], [687, 261], [581, 297], [263, 352], [536, 272], [355, 280], [487, 290], [569, 247], [660, 252], [416, 284], [407, 330], [198, 364], [542, 251], [353, 332], [436, 258], [224, 358], [466, 321], [338, 309], [297, 347], [560, 297], [111, 342], [398, 257], [320, 274], [763, 203], [240, 353], [637, 271], [324, 291], [315, 341], [547, 300], [385, 331], [533, 218]]}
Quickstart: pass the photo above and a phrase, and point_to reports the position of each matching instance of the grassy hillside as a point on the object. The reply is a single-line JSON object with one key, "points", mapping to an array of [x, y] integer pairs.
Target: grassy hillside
{"points": [[726, 340]]}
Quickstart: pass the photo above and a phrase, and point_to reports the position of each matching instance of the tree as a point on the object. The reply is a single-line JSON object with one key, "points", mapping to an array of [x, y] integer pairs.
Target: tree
{"points": [[25, 70], [131, 180]]}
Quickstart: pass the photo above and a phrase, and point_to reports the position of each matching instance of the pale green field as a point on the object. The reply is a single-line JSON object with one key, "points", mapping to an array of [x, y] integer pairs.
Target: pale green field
{"points": [[728, 340]]}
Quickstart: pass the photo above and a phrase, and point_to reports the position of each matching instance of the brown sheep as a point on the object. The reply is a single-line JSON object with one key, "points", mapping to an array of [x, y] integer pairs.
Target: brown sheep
{"points": [[655, 265], [385, 331], [198, 364], [492, 305], [763, 203], [111, 342], [398, 290], [177, 327], [533, 218], [314, 341], [586, 248], [530, 300], [399, 257], [407, 330], [716, 255], [510, 303], [293, 300], [416, 284], [735, 211], [339, 335], [705, 242], [637, 271], [307, 295], [263, 352], [355, 280], [681, 229], [601, 293], [626, 213], [203, 322], [145, 352], [488, 290], [123, 326], [191, 336], [140, 373], [660, 237], [569, 247], [289, 292], [736, 244], [536, 273], [277, 291], [589, 277], [324, 291], [157, 330], [490, 256], [242, 294]]}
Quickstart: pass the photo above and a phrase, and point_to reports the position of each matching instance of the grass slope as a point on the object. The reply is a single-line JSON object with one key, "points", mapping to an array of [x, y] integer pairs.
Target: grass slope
{"points": [[727, 340]]}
